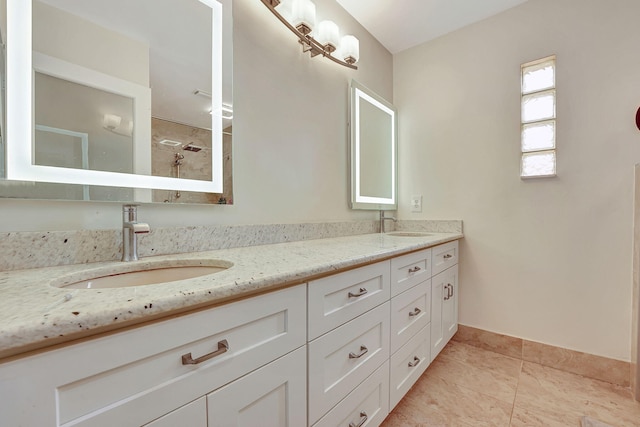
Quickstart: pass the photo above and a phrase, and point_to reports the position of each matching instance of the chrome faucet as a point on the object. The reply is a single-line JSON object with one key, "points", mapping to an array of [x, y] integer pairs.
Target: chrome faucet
{"points": [[130, 230], [383, 219]]}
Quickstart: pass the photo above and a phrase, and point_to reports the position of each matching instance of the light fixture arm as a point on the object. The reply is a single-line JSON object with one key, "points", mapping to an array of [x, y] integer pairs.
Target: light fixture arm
{"points": [[309, 44]]}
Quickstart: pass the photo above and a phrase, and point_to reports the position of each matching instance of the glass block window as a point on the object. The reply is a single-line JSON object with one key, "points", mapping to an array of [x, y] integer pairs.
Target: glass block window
{"points": [[538, 118]]}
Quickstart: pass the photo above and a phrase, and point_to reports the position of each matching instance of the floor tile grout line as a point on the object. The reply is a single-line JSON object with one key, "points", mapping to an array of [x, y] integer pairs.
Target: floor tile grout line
{"points": [[515, 395]]}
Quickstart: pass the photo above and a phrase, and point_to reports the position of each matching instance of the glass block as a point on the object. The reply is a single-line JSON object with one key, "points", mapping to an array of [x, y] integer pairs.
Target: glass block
{"points": [[539, 136], [538, 164], [538, 77], [539, 106]]}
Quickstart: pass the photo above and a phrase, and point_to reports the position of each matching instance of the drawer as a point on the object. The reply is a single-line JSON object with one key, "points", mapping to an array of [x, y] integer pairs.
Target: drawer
{"points": [[409, 270], [343, 358], [410, 312], [368, 403], [193, 414], [408, 364], [444, 256], [121, 378], [335, 300]]}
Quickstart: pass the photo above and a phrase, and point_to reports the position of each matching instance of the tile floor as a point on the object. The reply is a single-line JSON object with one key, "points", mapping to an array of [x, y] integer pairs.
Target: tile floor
{"points": [[471, 387]]}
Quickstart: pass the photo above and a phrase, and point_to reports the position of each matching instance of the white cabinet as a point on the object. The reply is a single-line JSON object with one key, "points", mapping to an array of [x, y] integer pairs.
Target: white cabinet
{"points": [[139, 375], [272, 396], [444, 308]]}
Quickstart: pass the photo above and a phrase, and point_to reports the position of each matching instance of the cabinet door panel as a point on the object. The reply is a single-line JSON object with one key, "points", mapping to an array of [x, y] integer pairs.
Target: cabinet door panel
{"points": [[450, 306], [272, 396], [334, 300], [407, 364], [444, 256], [192, 414], [409, 270], [438, 294], [370, 399], [410, 312], [338, 361]]}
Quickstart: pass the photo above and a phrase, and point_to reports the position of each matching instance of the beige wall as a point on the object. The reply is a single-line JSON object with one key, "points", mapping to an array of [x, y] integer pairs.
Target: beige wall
{"points": [[289, 131], [547, 260]]}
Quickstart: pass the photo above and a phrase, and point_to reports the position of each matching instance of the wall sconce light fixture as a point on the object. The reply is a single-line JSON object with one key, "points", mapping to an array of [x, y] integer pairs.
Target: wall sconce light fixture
{"points": [[115, 124], [299, 16]]}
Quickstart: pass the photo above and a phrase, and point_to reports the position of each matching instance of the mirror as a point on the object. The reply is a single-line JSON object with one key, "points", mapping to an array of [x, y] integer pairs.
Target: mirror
{"points": [[120, 100], [373, 150]]}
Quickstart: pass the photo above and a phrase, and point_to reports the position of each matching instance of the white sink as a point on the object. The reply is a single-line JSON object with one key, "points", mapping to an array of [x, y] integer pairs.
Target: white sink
{"points": [[409, 234], [140, 273]]}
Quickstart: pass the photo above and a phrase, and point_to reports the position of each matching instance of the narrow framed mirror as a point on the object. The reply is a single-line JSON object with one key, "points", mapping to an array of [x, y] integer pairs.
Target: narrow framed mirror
{"points": [[373, 150]]}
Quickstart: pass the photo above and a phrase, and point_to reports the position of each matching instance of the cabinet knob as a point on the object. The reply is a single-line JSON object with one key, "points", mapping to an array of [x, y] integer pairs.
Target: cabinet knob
{"points": [[447, 256], [416, 360], [415, 312], [223, 347], [414, 269], [363, 419], [363, 351], [358, 294]]}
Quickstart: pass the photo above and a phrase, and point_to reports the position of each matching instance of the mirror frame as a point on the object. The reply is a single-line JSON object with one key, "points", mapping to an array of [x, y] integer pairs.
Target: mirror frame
{"points": [[20, 121], [358, 201]]}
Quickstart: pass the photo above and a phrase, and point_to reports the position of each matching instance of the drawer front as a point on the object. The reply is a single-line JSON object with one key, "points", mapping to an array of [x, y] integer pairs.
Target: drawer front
{"points": [[193, 414], [408, 364], [367, 404], [410, 312], [130, 372], [335, 300], [444, 256], [409, 270], [274, 395], [343, 358]]}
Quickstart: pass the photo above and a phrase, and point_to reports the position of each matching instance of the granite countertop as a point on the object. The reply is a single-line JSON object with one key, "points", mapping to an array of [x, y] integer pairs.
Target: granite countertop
{"points": [[34, 314]]}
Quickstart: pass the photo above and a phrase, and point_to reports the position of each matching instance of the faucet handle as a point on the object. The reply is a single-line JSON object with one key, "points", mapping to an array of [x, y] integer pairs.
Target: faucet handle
{"points": [[140, 228]]}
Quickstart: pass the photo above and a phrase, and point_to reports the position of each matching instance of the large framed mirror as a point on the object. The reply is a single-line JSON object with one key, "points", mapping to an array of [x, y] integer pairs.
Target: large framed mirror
{"points": [[120, 100], [373, 150]]}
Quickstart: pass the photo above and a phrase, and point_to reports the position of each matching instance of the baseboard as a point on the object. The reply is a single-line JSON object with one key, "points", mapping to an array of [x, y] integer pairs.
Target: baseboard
{"points": [[588, 365]]}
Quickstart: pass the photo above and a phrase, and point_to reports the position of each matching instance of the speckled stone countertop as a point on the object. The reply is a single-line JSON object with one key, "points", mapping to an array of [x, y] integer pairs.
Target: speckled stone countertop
{"points": [[34, 314]]}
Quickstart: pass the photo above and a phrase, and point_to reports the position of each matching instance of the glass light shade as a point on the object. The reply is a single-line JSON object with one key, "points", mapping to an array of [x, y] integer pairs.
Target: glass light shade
{"points": [[285, 8], [111, 121], [328, 34], [303, 12], [350, 46]]}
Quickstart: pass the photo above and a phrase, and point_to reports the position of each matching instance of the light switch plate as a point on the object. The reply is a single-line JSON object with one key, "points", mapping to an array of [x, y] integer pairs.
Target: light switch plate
{"points": [[416, 203]]}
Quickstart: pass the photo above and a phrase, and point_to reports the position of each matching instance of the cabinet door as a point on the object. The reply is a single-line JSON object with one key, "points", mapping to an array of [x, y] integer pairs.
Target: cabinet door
{"points": [[272, 396], [444, 308], [450, 305]]}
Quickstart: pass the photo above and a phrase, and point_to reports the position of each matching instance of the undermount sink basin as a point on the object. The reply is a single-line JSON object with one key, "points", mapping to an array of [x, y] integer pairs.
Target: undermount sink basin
{"points": [[409, 234], [139, 274]]}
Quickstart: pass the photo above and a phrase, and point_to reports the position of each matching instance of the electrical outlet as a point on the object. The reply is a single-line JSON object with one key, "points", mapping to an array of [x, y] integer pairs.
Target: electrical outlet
{"points": [[416, 203]]}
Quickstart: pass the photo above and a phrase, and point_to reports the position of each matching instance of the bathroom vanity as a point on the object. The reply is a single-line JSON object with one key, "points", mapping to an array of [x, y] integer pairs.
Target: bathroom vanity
{"points": [[319, 333]]}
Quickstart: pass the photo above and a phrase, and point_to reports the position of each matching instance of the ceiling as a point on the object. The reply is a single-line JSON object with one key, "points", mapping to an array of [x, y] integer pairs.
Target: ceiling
{"points": [[401, 24]]}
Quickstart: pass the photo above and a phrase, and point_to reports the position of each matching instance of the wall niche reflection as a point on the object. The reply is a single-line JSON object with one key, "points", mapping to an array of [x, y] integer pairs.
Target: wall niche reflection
{"points": [[183, 151]]}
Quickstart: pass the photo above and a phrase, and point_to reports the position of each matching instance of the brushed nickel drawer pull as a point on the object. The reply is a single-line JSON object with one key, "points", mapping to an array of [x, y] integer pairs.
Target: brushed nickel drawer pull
{"points": [[363, 419], [450, 286], [447, 256], [223, 347], [414, 269], [363, 351], [415, 362], [447, 296], [415, 312], [359, 294]]}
